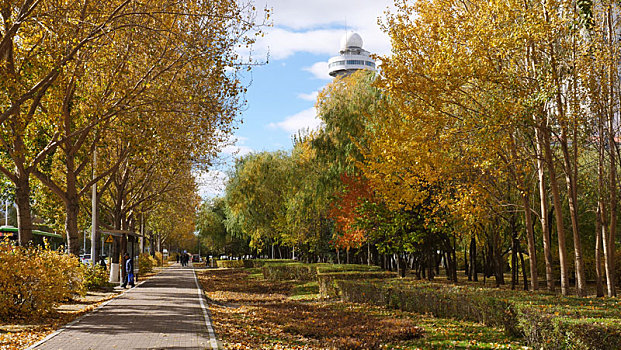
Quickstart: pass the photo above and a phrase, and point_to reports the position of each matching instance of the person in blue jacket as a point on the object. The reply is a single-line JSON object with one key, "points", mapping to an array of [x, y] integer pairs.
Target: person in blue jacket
{"points": [[129, 271]]}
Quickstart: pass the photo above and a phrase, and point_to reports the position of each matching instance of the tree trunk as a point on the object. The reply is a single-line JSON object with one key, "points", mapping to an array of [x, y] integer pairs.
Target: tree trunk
{"points": [[599, 287], [401, 265], [570, 180], [609, 242], [466, 265], [530, 234], [72, 208], [495, 256], [545, 218], [473, 258], [24, 218], [524, 276], [558, 214], [530, 239], [514, 267], [454, 259], [71, 228]]}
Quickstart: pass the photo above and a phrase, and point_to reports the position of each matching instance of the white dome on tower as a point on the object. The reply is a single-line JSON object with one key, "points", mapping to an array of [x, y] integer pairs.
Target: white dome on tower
{"points": [[352, 57], [351, 39]]}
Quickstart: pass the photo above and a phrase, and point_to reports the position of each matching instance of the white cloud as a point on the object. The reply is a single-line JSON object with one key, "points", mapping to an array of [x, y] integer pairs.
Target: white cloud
{"points": [[305, 14], [211, 183], [319, 70], [309, 97], [282, 43], [316, 26], [302, 120]]}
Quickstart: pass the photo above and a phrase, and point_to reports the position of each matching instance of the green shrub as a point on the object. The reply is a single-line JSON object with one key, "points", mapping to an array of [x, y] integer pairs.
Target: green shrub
{"points": [[329, 289], [33, 280], [546, 322], [95, 277], [326, 268], [364, 292], [146, 263], [159, 258], [306, 272], [543, 330], [289, 271], [450, 302], [261, 262], [230, 263]]}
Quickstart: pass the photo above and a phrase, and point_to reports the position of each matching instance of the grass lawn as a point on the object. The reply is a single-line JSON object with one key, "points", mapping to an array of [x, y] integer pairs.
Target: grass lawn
{"points": [[249, 312]]}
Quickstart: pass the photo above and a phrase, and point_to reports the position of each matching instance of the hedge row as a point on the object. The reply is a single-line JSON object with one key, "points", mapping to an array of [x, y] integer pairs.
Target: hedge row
{"points": [[454, 302], [290, 271], [307, 272], [230, 263], [541, 329], [262, 262], [548, 331], [249, 263], [327, 281]]}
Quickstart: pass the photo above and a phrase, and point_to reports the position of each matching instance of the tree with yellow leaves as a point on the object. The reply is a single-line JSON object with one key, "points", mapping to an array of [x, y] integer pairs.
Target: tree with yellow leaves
{"points": [[114, 60]]}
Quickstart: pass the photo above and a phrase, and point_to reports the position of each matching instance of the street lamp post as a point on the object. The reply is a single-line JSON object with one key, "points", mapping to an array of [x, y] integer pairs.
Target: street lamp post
{"points": [[94, 212]]}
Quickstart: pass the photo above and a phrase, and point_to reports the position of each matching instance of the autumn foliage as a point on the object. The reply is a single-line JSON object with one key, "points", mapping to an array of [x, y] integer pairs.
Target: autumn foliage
{"points": [[253, 313], [34, 279], [347, 208]]}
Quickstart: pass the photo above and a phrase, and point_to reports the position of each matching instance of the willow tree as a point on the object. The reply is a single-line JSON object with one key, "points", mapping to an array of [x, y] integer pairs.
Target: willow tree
{"points": [[255, 197]]}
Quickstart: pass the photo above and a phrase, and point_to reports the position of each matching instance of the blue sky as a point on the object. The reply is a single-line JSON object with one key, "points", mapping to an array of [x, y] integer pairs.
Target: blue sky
{"points": [[281, 98]]}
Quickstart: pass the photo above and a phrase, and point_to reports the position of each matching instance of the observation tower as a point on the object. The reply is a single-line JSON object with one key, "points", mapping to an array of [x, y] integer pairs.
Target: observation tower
{"points": [[352, 57]]}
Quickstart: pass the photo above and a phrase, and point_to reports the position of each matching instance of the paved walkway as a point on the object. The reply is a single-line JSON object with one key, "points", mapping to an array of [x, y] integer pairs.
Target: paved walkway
{"points": [[165, 312]]}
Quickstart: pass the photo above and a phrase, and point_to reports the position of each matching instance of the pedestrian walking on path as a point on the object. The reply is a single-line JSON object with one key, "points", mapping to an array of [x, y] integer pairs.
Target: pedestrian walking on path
{"points": [[129, 271], [165, 312]]}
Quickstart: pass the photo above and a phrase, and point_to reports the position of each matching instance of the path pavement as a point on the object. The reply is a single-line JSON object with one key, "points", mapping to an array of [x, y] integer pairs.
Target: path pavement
{"points": [[165, 312]]}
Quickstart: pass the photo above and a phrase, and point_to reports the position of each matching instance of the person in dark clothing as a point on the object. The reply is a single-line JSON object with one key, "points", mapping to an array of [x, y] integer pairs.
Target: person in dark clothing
{"points": [[184, 258], [102, 262], [129, 271]]}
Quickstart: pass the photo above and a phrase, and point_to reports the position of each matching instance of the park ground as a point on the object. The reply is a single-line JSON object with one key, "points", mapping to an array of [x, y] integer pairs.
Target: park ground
{"points": [[249, 312]]}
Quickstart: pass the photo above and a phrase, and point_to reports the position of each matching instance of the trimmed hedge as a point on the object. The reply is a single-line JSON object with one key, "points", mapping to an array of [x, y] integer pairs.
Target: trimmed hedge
{"points": [[327, 281], [455, 302], [542, 326], [230, 263], [327, 268], [251, 263], [262, 262], [290, 271], [548, 331], [307, 272]]}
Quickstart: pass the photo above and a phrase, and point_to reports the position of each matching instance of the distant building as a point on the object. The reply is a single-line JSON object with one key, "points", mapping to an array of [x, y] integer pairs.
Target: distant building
{"points": [[352, 57]]}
